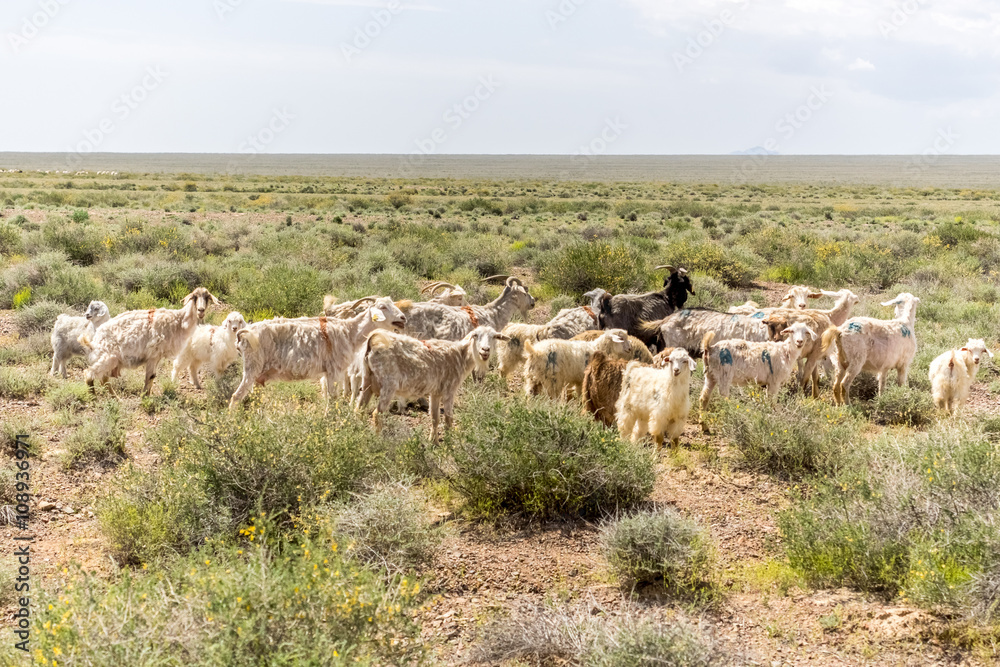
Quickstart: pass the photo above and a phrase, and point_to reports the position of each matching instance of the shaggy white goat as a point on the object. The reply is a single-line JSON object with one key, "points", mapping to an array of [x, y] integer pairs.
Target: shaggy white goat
{"points": [[567, 323], [209, 345], [953, 373], [656, 400], [430, 320], [556, 366]]}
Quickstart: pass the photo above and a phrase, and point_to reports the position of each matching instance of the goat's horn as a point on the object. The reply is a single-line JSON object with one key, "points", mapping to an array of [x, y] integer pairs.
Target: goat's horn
{"points": [[362, 300], [514, 281], [431, 286], [442, 285], [498, 277], [669, 267]]}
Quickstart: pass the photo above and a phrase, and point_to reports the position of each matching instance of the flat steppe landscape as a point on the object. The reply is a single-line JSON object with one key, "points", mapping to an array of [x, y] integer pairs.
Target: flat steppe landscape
{"points": [[171, 530]]}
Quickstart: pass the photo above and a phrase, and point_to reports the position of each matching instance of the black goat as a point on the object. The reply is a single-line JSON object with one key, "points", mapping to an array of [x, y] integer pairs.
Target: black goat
{"points": [[629, 311]]}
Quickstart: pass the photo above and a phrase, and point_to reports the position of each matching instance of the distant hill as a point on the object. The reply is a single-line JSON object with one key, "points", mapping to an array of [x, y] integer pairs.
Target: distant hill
{"points": [[756, 150]]}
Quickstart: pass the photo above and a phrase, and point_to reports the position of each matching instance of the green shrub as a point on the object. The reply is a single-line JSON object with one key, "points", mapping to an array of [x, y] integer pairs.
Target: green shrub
{"points": [[285, 290], [387, 527], [900, 406], [80, 216], [537, 458], [68, 396], [264, 602], [282, 459], [734, 266], [581, 267], [21, 383], [100, 439], [791, 438], [39, 316], [10, 240], [659, 547]]}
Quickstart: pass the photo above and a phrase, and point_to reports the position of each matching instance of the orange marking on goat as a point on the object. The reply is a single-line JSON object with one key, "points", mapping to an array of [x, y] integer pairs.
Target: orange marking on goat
{"points": [[590, 312], [152, 313], [322, 330], [472, 315]]}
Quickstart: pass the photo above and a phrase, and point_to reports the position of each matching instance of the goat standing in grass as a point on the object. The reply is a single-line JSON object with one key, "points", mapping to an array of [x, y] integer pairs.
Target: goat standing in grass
{"points": [[953, 373], [142, 338], [656, 400], [212, 346], [68, 329], [398, 366]]}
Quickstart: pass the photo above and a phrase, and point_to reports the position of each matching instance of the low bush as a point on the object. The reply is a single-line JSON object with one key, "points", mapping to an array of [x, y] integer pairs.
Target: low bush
{"points": [[539, 458], [68, 396], [900, 406], [100, 439], [262, 602], [791, 438], [39, 316], [659, 547], [581, 267], [21, 383], [387, 527]]}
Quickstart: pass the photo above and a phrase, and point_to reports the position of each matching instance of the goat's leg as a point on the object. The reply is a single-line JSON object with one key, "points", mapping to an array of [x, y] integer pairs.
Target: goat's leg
{"points": [[901, 372], [193, 372], [434, 407], [246, 386], [151, 365], [449, 412]]}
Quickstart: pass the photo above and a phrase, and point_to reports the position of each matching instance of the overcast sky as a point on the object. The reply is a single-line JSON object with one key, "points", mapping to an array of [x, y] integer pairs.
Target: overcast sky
{"points": [[510, 76]]}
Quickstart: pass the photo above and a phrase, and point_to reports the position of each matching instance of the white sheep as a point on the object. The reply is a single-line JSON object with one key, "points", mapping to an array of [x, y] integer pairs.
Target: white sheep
{"points": [[567, 323], [556, 366], [209, 345], [66, 334], [741, 362], [874, 346], [397, 366], [143, 337], [308, 348], [953, 372], [656, 400]]}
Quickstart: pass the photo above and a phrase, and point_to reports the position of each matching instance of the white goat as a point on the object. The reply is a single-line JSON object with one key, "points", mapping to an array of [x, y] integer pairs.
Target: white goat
{"points": [[567, 323], [953, 372], [740, 362], [556, 366], [211, 345], [748, 308], [797, 295], [67, 330], [430, 320], [398, 366], [687, 328], [346, 310], [451, 295], [875, 346], [656, 400], [308, 348], [143, 337]]}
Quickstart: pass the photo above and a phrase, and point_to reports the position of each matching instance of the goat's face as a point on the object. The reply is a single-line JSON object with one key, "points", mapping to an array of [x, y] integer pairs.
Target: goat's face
{"points": [[799, 333], [522, 299], [680, 361], [798, 296], [620, 339], [977, 346], [96, 309], [202, 299], [901, 302], [483, 341], [234, 322], [385, 311]]}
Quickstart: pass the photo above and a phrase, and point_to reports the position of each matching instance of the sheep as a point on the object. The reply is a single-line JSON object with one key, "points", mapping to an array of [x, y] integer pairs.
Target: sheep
{"points": [[748, 308], [952, 373], [308, 347], [399, 366], [567, 323], [629, 311], [687, 328], [143, 337], [556, 366], [875, 346], [67, 331], [639, 350], [656, 400], [430, 320], [211, 345], [739, 362], [817, 320]]}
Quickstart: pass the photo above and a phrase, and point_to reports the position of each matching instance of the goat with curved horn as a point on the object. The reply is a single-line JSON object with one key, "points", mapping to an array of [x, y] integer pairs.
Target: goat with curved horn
{"points": [[497, 277], [665, 266]]}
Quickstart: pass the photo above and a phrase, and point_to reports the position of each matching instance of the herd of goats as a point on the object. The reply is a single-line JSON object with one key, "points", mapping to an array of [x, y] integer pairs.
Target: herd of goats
{"points": [[627, 357]]}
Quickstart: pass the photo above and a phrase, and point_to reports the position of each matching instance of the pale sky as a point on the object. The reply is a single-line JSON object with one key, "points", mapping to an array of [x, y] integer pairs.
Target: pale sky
{"points": [[511, 76]]}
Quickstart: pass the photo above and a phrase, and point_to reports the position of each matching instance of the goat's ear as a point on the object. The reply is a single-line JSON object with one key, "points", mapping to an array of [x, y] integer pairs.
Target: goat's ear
{"points": [[502, 337], [377, 315], [692, 364], [893, 302], [785, 332], [616, 338], [214, 300], [814, 295], [963, 349], [188, 298], [989, 353]]}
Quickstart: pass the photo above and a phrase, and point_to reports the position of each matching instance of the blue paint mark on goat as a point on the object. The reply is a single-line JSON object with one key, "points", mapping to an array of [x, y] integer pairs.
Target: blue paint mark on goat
{"points": [[765, 357], [550, 362], [759, 315], [725, 357], [854, 326], [733, 318], [686, 312], [906, 331]]}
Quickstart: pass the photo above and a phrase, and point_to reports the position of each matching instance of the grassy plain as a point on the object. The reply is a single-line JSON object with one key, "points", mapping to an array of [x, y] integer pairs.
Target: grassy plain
{"points": [[861, 535]]}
